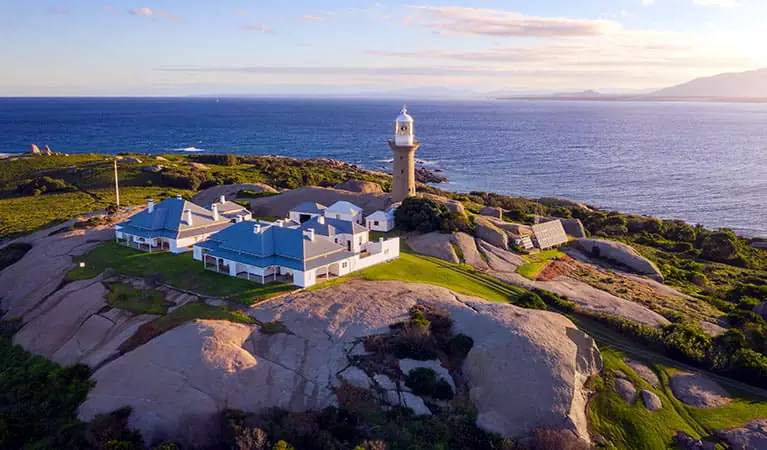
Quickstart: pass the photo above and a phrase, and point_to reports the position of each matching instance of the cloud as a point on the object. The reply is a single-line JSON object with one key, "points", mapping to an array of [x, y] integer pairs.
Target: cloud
{"points": [[720, 3], [490, 22], [261, 28], [311, 18], [146, 12]]}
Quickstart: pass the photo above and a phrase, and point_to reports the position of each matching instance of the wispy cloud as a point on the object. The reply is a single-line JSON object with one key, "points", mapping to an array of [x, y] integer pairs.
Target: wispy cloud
{"points": [[311, 18], [261, 28], [490, 22], [720, 3], [146, 12]]}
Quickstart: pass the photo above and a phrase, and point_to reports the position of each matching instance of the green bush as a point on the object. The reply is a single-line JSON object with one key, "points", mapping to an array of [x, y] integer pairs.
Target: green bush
{"points": [[459, 346], [530, 300], [44, 185], [423, 382], [421, 214], [219, 160], [110, 431]]}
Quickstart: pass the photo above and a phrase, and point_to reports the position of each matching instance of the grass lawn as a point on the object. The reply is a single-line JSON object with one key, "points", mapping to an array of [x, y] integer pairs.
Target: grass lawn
{"points": [[126, 297], [538, 262], [180, 271], [415, 268]]}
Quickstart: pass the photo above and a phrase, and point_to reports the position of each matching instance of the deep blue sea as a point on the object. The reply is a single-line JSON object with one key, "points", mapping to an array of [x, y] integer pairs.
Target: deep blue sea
{"points": [[701, 162]]}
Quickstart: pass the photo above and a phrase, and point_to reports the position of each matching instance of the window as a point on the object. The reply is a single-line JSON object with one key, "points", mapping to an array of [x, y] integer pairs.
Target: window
{"points": [[375, 223], [343, 265], [402, 172], [338, 216], [401, 158]]}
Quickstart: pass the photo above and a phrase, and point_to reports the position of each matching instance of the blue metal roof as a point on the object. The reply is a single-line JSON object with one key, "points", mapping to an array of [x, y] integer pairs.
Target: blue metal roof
{"points": [[333, 226], [169, 215], [309, 208]]}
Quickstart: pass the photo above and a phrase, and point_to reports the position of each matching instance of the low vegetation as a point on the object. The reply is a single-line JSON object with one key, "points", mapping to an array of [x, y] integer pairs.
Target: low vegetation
{"points": [[426, 215], [538, 262], [124, 296], [180, 271]]}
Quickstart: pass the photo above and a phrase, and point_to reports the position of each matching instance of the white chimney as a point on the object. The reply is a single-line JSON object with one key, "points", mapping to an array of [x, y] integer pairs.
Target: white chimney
{"points": [[188, 214], [214, 208], [278, 223], [238, 219], [310, 234], [150, 206], [223, 200], [256, 228], [179, 197], [321, 220]]}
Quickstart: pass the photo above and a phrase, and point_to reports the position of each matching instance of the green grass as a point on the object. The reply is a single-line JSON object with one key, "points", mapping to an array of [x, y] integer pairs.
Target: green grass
{"points": [[632, 425], [414, 268], [126, 297], [180, 271], [538, 262]]}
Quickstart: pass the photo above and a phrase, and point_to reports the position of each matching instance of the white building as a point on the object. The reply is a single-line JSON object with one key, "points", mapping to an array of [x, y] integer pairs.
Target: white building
{"points": [[176, 225], [291, 253], [382, 221], [306, 211], [345, 211]]}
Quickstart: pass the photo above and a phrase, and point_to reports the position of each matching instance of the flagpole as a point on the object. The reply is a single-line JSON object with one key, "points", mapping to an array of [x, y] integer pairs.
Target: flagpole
{"points": [[117, 187]]}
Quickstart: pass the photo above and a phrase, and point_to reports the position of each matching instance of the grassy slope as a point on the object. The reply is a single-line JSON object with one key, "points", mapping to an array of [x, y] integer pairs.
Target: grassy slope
{"points": [[538, 262], [124, 296], [177, 270]]}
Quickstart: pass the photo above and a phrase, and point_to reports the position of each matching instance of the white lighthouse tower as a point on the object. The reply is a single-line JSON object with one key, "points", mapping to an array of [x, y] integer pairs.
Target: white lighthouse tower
{"points": [[404, 146]]}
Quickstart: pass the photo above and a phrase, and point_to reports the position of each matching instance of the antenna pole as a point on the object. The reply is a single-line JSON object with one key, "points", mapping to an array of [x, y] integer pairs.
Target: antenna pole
{"points": [[117, 187]]}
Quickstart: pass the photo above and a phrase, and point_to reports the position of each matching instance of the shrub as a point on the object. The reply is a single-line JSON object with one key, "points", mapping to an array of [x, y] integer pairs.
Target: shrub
{"points": [[421, 214], [549, 439], [419, 320], [111, 431], [557, 301], [42, 185], [720, 246], [460, 345], [423, 382], [219, 160], [530, 300]]}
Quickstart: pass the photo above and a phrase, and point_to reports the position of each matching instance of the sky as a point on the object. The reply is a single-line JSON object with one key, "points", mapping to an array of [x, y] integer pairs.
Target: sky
{"points": [[320, 47]]}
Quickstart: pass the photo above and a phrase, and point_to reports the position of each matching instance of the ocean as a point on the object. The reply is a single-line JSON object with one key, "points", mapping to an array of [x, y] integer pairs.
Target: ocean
{"points": [[701, 162]]}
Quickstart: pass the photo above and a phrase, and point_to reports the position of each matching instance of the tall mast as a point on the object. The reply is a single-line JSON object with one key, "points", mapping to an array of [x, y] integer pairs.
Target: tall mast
{"points": [[117, 187]]}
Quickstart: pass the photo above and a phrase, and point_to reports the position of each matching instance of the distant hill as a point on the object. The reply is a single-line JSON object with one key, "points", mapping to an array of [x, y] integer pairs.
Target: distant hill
{"points": [[740, 85]]}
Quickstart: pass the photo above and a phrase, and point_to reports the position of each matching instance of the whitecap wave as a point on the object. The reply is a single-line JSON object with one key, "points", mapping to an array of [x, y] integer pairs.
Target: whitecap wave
{"points": [[189, 149], [384, 160], [426, 162]]}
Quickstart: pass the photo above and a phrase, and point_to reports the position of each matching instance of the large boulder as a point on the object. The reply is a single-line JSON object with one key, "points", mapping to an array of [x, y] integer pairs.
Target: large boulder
{"points": [[490, 233], [562, 203], [471, 255], [365, 187], [622, 254], [183, 377], [751, 436], [491, 212], [651, 400], [434, 244], [229, 191], [625, 389], [574, 228]]}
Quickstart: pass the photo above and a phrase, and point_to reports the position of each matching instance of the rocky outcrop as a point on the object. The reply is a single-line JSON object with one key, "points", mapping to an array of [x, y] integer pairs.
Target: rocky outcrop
{"points": [[563, 203], [40, 273], [434, 244], [187, 374], [651, 400], [574, 228], [229, 191], [491, 212], [684, 441], [751, 436], [488, 232], [697, 390], [622, 254], [365, 187], [468, 247], [453, 206]]}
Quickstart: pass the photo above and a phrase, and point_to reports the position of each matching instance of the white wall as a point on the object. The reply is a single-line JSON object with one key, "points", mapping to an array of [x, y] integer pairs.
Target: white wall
{"points": [[358, 240], [379, 252], [383, 226], [346, 217], [304, 279]]}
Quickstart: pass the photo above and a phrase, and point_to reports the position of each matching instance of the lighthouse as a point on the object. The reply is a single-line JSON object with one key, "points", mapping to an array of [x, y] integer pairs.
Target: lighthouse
{"points": [[404, 146]]}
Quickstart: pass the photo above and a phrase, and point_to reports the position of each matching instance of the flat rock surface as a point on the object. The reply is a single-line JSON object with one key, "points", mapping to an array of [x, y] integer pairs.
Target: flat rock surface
{"points": [[434, 244], [229, 191], [187, 374], [644, 372], [697, 390], [752, 436], [365, 187], [622, 254]]}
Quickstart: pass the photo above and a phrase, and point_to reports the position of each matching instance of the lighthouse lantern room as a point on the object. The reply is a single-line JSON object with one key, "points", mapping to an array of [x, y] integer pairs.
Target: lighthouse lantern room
{"points": [[404, 131]]}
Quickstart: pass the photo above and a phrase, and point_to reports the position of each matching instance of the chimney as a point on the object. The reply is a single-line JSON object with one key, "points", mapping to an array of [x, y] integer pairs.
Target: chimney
{"points": [[179, 197], [278, 223], [321, 220], [256, 228], [214, 208], [223, 200], [188, 214], [238, 219], [310, 234], [150, 206]]}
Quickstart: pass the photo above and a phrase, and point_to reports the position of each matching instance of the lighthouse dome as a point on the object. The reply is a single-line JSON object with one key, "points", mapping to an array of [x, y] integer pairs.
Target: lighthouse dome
{"points": [[404, 116]]}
